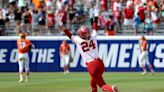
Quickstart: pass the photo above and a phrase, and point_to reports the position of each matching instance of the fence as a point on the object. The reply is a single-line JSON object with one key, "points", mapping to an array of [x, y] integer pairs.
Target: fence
{"points": [[119, 53]]}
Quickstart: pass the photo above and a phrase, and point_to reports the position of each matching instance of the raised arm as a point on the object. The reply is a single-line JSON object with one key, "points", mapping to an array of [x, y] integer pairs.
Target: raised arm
{"points": [[94, 26], [94, 29], [64, 29]]}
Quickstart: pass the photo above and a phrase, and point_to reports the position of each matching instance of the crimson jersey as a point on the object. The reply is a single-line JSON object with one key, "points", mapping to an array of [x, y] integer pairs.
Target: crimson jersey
{"points": [[129, 13], [103, 4], [88, 48]]}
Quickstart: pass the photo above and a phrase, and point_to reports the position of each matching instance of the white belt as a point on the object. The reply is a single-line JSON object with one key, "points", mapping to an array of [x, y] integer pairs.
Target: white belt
{"points": [[88, 61]]}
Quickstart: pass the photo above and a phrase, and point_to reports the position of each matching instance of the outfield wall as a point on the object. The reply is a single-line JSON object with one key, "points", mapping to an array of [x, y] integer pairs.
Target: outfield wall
{"points": [[119, 53]]}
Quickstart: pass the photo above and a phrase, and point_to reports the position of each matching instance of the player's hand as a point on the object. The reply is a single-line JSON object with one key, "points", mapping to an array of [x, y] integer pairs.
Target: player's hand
{"points": [[30, 47], [33, 46], [59, 20]]}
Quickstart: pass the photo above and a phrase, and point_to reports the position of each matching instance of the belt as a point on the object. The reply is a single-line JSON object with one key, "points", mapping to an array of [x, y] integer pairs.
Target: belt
{"points": [[92, 60], [144, 50]]}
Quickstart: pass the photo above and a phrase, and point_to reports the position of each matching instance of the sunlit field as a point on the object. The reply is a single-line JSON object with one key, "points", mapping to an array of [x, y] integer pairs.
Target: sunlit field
{"points": [[79, 82]]}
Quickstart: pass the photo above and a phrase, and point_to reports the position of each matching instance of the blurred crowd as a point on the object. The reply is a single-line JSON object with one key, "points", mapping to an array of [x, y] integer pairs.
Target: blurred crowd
{"points": [[37, 17], [145, 13]]}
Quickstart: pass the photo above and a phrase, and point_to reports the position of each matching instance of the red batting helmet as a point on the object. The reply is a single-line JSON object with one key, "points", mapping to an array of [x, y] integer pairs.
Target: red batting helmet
{"points": [[83, 32]]}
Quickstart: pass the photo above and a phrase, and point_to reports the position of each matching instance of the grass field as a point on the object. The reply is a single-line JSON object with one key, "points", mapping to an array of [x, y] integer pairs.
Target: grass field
{"points": [[79, 82]]}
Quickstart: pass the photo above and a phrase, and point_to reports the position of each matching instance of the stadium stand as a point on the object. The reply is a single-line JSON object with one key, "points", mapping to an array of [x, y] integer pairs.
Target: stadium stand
{"points": [[74, 12]]}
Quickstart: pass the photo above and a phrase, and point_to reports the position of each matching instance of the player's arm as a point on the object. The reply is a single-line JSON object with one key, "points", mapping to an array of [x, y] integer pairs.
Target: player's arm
{"points": [[94, 29], [64, 29], [60, 50], [27, 47], [139, 42], [69, 48], [141, 48], [94, 26], [30, 45], [18, 45]]}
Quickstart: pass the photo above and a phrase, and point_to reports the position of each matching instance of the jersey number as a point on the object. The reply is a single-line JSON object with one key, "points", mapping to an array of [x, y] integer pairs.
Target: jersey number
{"points": [[87, 45], [22, 44]]}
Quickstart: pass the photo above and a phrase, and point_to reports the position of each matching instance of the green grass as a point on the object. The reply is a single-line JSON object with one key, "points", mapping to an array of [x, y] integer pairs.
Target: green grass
{"points": [[79, 82]]}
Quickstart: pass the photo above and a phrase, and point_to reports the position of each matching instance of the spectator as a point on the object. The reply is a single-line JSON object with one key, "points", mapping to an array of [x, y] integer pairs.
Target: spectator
{"points": [[80, 11], [50, 21], [63, 14], [59, 4], [30, 4], [150, 4], [71, 13], [35, 22], [11, 17], [42, 21], [5, 14], [143, 1], [104, 5], [101, 21], [95, 26], [71, 3], [110, 26], [148, 25], [21, 4], [72, 18], [12, 4], [26, 20], [155, 17], [96, 12], [91, 14], [42, 5], [117, 4], [129, 13], [137, 2], [49, 3], [162, 10], [18, 15], [105, 17], [141, 12], [12, 1], [2, 24], [136, 23], [77, 11], [19, 28], [117, 14], [129, 3]]}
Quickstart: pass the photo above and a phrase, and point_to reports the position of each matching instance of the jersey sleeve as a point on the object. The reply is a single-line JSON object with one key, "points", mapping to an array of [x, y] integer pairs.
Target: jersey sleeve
{"points": [[76, 39], [28, 42], [94, 34]]}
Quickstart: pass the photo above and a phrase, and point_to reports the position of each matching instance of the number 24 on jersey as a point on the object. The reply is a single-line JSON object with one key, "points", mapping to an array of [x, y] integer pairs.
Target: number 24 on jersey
{"points": [[87, 45]]}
